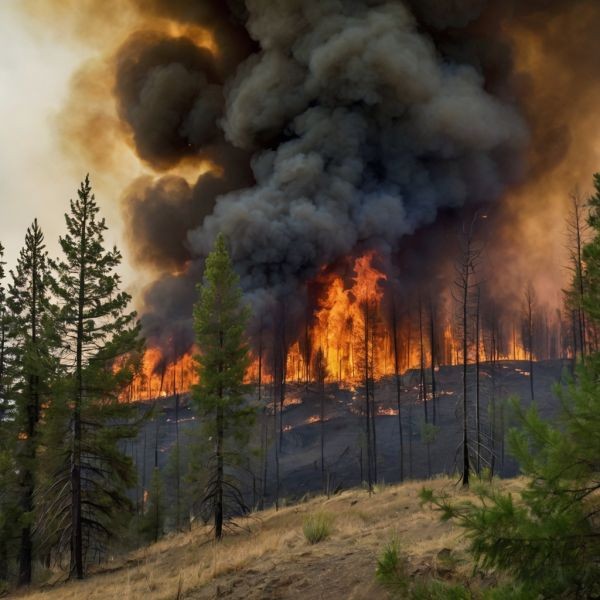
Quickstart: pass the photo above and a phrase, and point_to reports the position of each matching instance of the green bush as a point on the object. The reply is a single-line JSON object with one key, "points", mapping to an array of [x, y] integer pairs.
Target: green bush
{"points": [[391, 569], [439, 590], [317, 527]]}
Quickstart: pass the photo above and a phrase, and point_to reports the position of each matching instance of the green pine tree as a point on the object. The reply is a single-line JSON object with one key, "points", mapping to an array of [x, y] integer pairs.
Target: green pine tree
{"points": [[8, 467], [32, 342], [100, 352], [220, 320], [547, 536], [3, 339], [591, 257]]}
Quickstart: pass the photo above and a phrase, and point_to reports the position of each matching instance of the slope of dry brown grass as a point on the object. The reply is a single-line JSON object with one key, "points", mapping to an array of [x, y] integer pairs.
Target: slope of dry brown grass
{"points": [[270, 559]]}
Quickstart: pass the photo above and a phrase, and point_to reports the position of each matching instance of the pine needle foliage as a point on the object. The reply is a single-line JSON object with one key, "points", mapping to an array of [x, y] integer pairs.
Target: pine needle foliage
{"points": [[99, 353], [33, 365], [547, 536], [220, 320]]}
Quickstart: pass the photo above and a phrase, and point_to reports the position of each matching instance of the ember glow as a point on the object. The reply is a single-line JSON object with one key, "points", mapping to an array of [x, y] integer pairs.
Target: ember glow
{"points": [[349, 322]]}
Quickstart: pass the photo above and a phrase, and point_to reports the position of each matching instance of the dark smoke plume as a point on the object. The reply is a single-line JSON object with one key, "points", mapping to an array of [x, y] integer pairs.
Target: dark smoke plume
{"points": [[335, 126]]}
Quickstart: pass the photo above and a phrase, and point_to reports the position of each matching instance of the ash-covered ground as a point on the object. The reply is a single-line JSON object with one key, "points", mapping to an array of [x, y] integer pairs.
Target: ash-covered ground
{"points": [[345, 429]]}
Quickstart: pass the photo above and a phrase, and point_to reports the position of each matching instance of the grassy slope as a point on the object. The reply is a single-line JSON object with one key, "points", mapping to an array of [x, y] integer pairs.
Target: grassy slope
{"points": [[270, 558]]}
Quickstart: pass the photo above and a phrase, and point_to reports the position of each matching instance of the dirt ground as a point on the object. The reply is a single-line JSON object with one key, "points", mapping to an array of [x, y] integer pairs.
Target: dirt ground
{"points": [[268, 558]]}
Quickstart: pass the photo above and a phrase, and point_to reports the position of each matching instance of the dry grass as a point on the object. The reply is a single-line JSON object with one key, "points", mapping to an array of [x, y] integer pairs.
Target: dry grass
{"points": [[270, 558]]}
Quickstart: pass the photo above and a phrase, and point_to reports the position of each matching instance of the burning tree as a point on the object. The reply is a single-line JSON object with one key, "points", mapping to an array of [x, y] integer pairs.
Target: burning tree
{"points": [[220, 320]]}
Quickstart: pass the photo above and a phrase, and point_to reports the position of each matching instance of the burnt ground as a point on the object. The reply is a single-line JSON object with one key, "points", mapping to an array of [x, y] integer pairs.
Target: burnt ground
{"points": [[344, 428]]}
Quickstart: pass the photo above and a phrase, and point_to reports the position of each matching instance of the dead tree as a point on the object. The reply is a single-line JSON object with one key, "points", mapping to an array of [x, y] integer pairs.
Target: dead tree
{"points": [[367, 393], [432, 342], [398, 381], [423, 388], [320, 372], [477, 380], [529, 305], [576, 232], [470, 253]]}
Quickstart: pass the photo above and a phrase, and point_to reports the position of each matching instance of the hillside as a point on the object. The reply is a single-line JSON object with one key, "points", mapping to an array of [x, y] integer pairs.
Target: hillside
{"points": [[268, 557], [299, 452]]}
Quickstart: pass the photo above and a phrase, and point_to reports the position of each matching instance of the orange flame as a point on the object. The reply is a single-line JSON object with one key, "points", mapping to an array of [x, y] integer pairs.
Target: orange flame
{"points": [[349, 326]]}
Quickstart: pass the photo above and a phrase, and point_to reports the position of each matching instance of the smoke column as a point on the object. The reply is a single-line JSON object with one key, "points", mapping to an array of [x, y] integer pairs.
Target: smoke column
{"points": [[314, 129]]}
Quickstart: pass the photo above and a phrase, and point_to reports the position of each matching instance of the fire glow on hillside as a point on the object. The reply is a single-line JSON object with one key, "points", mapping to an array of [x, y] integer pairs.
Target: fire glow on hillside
{"points": [[349, 322]]}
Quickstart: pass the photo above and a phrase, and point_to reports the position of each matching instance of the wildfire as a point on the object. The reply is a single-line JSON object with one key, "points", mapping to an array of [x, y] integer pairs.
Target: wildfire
{"points": [[354, 332], [160, 378]]}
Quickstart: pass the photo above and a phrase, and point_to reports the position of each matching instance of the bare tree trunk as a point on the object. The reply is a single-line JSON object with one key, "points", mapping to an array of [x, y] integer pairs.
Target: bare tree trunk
{"points": [[219, 475], [465, 270], [275, 441], [367, 401], [398, 388], [433, 357], [529, 302], [424, 387], [477, 387], [410, 411]]}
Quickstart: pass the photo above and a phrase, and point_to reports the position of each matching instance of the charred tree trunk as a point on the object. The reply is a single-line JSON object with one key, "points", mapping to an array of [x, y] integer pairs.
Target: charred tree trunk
{"points": [[410, 405], [433, 358], [219, 475], [275, 440], [529, 302], [424, 388], [465, 271], [220, 436], [373, 402], [367, 400], [398, 387], [477, 388]]}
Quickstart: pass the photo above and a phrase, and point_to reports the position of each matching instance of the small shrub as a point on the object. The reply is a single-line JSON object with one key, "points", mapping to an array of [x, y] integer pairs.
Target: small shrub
{"points": [[391, 569], [317, 527], [438, 590], [379, 487]]}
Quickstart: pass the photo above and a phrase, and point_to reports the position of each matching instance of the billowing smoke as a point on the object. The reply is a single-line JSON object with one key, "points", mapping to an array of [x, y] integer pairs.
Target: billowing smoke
{"points": [[359, 126], [328, 127]]}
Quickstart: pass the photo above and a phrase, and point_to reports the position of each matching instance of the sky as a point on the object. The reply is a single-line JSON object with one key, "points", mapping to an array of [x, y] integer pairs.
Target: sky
{"points": [[35, 178]]}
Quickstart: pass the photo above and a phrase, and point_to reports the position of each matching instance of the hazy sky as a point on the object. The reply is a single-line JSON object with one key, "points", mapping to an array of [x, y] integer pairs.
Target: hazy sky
{"points": [[35, 178]]}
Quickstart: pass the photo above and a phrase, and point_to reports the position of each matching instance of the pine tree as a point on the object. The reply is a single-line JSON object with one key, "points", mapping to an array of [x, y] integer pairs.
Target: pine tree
{"points": [[591, 257], [549, 537], [99, 352], [31, 348], [220, 320], [8, 466], [3, 339]]}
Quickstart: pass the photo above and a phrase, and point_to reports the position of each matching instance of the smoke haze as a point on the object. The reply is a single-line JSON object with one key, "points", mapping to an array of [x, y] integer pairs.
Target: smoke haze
{"points": [[310, 130]]}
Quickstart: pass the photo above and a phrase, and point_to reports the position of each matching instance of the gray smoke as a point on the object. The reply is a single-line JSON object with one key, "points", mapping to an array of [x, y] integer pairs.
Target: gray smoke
{"points": [[371, 132], [361, 120]]}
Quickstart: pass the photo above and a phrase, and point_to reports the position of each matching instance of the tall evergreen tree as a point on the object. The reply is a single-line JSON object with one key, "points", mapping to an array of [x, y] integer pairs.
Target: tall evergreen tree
{"points": [[8, 467], [220, 320], [591, 257], [31, 345], [100, 347], [3, 337]]}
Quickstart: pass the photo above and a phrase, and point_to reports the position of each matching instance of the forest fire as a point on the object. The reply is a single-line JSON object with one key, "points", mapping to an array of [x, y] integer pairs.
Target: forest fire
{"points": [[159, 377], [355, 326]]}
